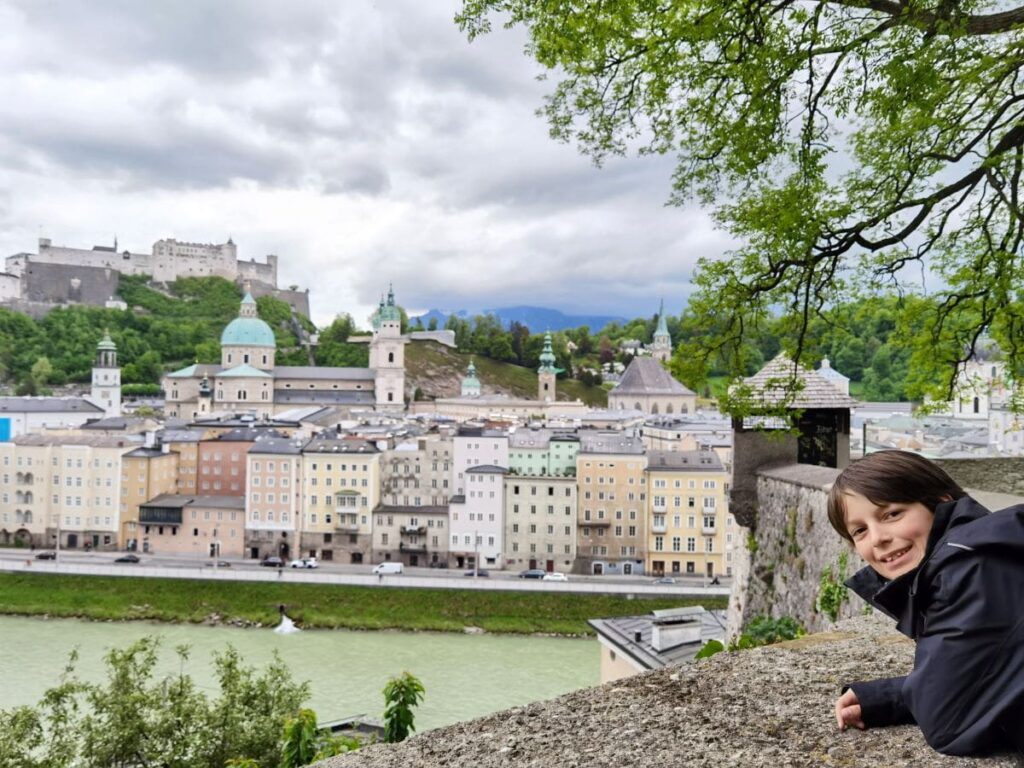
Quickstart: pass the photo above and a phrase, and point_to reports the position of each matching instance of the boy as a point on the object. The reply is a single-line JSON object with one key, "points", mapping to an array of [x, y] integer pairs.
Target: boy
{"points": [[952, 576]]}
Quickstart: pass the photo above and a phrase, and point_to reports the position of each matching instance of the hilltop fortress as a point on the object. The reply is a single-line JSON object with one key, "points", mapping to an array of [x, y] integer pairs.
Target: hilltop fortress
{"points": [[34, 282]]}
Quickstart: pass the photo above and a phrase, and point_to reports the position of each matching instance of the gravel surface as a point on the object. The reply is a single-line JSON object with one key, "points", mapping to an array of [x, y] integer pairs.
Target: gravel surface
{"points": [[767, 707]]}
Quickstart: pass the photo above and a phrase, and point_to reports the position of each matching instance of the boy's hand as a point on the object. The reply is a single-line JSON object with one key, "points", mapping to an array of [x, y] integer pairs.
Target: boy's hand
{"points": [[848, 711]]}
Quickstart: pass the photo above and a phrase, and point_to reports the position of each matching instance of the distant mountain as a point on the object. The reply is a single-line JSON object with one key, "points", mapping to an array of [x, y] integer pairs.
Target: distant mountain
{"points": [[537, 319]]}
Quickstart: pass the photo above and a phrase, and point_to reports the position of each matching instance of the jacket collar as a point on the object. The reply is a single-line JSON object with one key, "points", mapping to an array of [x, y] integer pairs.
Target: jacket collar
{"points": [[895, 597]]}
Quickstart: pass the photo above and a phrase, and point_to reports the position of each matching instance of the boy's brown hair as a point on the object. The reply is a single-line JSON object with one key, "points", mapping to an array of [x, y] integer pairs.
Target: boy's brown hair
{"points": [[890, 476]]}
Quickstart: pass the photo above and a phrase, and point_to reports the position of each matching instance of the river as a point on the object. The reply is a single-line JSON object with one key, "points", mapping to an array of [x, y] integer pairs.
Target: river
{"points": [[465, 676]]}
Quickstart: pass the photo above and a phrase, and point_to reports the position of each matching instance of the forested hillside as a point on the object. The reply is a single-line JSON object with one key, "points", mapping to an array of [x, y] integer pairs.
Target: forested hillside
{"points": [[166, 330]]}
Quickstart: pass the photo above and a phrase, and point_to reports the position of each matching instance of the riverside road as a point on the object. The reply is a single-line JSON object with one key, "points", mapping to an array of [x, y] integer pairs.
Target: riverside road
{"points": [[182, 567]]}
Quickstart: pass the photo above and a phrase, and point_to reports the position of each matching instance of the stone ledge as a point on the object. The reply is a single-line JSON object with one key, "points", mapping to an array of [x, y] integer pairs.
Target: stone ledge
{"points": [[763, 708], [804, 475]]}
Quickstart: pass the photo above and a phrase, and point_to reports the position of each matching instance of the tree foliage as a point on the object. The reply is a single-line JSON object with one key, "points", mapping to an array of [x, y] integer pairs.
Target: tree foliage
{"points": [[135, 720], [847, 145]]}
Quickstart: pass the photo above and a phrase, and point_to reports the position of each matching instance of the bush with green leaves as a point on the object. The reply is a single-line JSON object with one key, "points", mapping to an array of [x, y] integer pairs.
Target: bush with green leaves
{"points": [[136, 720], [401, 695], [831, 589], [761, 630]]}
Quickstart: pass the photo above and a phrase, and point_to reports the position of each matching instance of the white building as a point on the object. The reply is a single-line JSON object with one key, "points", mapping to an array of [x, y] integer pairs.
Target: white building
{"points": [[480, 463]]}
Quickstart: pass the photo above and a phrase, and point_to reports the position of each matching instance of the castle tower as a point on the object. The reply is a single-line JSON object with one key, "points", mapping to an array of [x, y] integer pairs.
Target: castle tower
{"points": [[661, 349], [106, 377], [471, 384], [547, 372], [387, 355]]}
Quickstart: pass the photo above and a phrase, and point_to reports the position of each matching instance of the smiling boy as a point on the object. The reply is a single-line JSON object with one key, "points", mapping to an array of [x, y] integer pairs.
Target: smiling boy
{"points": [[952, 576]]}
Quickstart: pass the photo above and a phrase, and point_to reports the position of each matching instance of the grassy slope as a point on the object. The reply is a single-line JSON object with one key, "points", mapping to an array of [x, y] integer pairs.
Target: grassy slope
{"points": [[315, 605], [438, 371]]}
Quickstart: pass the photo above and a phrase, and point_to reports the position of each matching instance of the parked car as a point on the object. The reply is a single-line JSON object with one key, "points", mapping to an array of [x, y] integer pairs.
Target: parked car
{"points": [[387, 569], [272, 562], [482, 574], [555, 576], [219, 564], [665, 580], [533, 573], [47, 554], [129, 558], [303, 562]]}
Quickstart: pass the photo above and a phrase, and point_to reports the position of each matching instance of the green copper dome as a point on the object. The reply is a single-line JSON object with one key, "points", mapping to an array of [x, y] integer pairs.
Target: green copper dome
{"points": [[247, 330], [547, 356]]}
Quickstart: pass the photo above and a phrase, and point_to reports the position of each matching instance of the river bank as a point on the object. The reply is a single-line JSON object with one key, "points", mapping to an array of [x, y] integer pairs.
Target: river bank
{"points": [[104, 598]]}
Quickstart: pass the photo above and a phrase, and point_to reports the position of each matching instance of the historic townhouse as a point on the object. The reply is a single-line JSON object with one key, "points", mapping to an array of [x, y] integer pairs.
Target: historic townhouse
{"points": [[611, 504], [477, 525], [414, 536], [273, 497], [223, 463], [199, 526], [540, 499], [146, 472], [417, 472], [341, 489], [185, 443], [61, 489], [540, 522], [687, 513]]}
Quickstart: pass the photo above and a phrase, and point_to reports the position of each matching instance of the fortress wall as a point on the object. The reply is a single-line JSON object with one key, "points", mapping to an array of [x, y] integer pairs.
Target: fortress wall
{"points": [[255, 270], [63, 283], [10, 286], [125, 261]]}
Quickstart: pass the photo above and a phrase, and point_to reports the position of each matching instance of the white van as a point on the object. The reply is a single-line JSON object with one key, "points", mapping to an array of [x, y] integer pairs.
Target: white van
{"points": [[387, 569]]}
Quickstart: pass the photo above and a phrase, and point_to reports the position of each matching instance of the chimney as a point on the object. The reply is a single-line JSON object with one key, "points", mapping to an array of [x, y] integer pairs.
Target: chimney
{"points": [[150, 438], [676, 627]]}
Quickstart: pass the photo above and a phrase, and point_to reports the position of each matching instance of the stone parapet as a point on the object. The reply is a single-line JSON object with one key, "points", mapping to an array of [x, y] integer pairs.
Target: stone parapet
{"points": [[762, 708]]}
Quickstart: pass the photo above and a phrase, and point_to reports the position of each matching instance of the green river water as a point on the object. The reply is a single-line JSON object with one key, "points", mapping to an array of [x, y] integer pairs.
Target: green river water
{"points": [[465, 675]]}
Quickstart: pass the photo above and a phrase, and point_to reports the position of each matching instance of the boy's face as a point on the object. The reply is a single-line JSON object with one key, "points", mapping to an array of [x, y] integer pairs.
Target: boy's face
{"points": [[890, 537]]}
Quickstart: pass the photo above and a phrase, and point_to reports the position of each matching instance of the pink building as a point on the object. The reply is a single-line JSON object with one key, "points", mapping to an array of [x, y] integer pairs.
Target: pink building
{"points": [[202, 526]]}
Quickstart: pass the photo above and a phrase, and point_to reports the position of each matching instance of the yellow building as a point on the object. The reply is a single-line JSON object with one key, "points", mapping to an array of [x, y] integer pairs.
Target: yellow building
{"points": [[340, 489], [687, 513], [146, 472], [611, 520]]}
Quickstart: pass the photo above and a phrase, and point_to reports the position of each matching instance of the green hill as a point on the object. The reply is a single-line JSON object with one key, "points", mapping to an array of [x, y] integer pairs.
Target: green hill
{"points": [[437, 371]]}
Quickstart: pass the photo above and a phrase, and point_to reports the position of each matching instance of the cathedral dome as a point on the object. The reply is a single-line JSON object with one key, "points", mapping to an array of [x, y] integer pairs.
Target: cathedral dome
{"points": [[248, 332]]}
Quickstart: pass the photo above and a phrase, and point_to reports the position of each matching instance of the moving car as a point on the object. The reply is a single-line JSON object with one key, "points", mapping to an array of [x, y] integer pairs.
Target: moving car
{"points": [[555, 576], [387, 569], [272, 562], [664, 580], [482, 574], [48, 554], [219, 564], [303, 562], [129, 558], [533, 573]]}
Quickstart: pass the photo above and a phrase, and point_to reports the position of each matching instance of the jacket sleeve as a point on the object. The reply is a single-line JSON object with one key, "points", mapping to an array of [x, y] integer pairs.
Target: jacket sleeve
{"points": [[968, 676], [881, 702]]}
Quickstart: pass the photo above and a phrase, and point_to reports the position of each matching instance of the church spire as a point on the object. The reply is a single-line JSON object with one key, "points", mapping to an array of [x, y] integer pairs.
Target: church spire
{"points": [[547, 357]]}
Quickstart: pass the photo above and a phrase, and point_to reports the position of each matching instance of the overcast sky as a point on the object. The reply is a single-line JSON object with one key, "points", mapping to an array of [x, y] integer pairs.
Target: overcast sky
{"points": [[363, 142]]}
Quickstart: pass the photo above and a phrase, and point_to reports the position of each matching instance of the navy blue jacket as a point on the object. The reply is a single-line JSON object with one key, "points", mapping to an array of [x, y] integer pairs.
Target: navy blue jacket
{"points": [[964, 606]]}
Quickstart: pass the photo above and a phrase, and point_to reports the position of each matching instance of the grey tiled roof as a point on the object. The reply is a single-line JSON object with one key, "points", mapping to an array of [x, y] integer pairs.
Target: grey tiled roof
{"points": [[318, 372], [324, 397], [616, 443], [622, 631], [676, 461], [47, 405], [647, 376], [772, 386]]}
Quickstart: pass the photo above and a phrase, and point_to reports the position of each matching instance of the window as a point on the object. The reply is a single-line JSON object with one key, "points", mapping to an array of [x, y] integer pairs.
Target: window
{"points": [[691, 544]]}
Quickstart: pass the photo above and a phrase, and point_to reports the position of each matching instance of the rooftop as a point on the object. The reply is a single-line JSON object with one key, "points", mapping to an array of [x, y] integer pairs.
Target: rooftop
{"points": [[48, 405], [684, 461], [647, 376], [781, 382]]}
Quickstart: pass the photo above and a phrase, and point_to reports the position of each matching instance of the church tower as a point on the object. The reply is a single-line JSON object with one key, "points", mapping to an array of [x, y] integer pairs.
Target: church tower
{"points": [[546, 373], [106, 377], [387, 355], [661, 349], [470, 383]]}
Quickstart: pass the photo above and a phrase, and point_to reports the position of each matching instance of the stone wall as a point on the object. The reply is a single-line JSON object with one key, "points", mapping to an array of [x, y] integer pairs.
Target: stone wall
{"points": [[763, 708], [64, 283], [795, 544], [995, 475]]}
